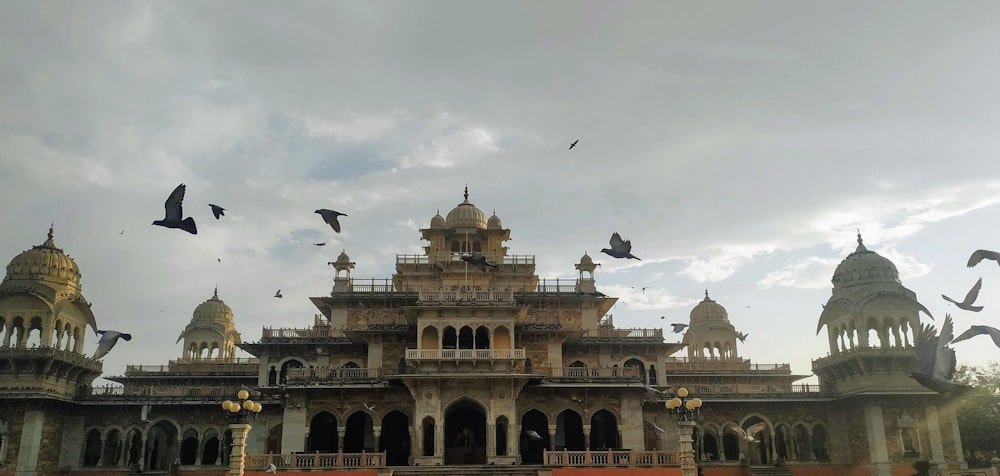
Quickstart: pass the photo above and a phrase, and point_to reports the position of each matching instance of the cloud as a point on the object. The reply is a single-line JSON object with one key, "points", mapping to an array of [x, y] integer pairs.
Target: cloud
{"points": [[650, 299], [812, 273]]}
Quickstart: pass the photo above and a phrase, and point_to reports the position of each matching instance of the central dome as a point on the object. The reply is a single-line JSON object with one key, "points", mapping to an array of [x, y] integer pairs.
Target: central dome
{"points": [[864, 267], [213, 310], [709, 310], [466, 215], [45, 262]]}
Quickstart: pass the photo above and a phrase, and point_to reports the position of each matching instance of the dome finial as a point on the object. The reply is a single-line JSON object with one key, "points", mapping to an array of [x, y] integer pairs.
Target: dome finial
{"points": [[466, 192], [861, 245], [50, 242], [706, 295], [215, 294]]}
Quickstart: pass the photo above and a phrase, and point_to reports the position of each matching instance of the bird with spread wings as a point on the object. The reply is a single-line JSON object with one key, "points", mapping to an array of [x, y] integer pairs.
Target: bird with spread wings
{"points": [[750, 433]]}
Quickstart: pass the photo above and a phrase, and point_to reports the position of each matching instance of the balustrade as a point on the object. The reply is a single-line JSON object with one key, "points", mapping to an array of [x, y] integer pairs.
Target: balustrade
{"points": [[464, 354]]}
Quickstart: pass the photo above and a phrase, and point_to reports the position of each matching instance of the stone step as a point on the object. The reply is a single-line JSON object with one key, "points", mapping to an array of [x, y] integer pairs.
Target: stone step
{"points": [[465, 470]]}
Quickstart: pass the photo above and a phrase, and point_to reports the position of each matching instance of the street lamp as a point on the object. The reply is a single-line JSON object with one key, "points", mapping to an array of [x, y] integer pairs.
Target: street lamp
{"points": [[685, 409], [240, 412]]}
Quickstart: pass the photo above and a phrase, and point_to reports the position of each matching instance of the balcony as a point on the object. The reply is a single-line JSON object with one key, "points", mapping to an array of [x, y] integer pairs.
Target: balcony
{"points": [[611, 334], [466, 296], [334, 375], [590, 374], [244, 366], [464, 354], [305, 333], [314, 461], [166, 393], [742, 390], [683, 364], [449, 257], [611, 458]]}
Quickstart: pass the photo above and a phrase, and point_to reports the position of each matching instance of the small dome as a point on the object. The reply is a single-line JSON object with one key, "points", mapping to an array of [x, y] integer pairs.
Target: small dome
{"points": [[45, 262], [342, 258], [466, 215], [586, 259], [709, 310], [494, 222], [863, 267], [437, 221], [213, 310]]}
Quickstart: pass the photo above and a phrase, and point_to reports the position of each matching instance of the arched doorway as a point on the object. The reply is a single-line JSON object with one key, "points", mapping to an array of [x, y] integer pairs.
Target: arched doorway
{"points": [[274, 440], [360, 434], [532, 449], [759, 452], [189, 447], [569, 431], [640, 371], [323, 433], [161, 446], [603, 431], [395, 439], [465, 434], [112, 448], [210, 447], [291, 364]]}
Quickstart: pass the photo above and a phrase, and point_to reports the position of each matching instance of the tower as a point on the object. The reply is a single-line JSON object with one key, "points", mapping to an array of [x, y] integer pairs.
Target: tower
{"points": [[710, 335], [211, 334]]}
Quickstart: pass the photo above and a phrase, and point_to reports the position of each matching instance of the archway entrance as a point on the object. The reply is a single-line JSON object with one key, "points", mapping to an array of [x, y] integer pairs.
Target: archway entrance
{"points": [[465, 434], [395, 439]]}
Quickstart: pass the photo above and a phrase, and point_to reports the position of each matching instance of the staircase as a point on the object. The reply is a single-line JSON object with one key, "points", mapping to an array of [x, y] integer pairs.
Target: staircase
{"points": [[770, 471], [466, 470]]}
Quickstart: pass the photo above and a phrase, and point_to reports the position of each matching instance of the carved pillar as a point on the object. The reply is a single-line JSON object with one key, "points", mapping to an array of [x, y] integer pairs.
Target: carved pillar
{"points": [[341, 432], [685, 430], [491, 440], [586, 436], [237, 457], [377, 431], [552, 437]]}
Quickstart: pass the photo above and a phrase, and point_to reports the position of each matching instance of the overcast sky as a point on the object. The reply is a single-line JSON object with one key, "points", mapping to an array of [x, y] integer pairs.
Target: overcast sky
{"points": [[738, 145]]}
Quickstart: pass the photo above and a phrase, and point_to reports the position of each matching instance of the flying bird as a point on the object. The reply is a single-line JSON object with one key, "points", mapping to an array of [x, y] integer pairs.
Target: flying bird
{"points": [[123, 232], [571, 146], [644, 290], [750, 433], [741, 336], [661, 430], [369, 407], [619, 248], [678, 327], [107, 341], [144, 413], [320, 244], [934, 362], [478, 259], [330, 217], [278, 294], [577, 400], [271, 468], [973, 331], [173, 213], [969, 298], [980, 255], [533, 435], [218, 259], [217, 211]]}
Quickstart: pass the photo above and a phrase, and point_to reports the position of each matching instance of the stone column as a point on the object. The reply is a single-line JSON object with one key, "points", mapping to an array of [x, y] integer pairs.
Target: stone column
{"points": [[934, 433], [491, 440], [586, 436], [237, 456], [341, 432], [552, 437], [377, 432], [879, 452], [685, 430]]}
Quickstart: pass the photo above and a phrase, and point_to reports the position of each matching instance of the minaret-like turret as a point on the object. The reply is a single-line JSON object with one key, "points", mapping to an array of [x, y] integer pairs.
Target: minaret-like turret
{"points": [[211, 334]]}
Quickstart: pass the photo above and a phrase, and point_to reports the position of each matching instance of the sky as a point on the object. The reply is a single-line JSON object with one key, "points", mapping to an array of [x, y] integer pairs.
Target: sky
{"points": [[740, 146]]}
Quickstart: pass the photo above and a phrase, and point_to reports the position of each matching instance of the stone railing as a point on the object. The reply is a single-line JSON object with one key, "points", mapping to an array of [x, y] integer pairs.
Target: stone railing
{"points": [[516, 260], [309, 332], [683, 364], [734, 390], [13, 353], [169, 392], [187, 366], [316, 375], [466, 296], [312, 461], [898, 352], [464, 354], [615, 334], [584, 373], [611, 458]]}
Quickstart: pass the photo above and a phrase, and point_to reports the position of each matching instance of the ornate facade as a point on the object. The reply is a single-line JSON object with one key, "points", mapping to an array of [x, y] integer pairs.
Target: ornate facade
{"points": [[446, 363]]}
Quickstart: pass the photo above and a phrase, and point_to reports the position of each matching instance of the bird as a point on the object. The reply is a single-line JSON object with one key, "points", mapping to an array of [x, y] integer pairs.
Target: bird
{"points": [[369, 407], [934, 362], [969, 298], [320, 244], [123, 232], [173, 213], [218, 259], [980, 255], [654, 395], [741, 336], [973, 331], [661, 430], [533, 435], [571, 146], [678, 327], [278, 294], [644, 290], [321, 350], [271, 468], [619, 248], [577, 400], [330, 217], [478, 259], [108, 340], [750, 433], [217, 211], [144, 413]]}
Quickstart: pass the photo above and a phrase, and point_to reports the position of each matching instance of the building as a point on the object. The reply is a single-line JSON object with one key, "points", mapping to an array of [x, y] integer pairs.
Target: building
{"points": [[450, 362]]}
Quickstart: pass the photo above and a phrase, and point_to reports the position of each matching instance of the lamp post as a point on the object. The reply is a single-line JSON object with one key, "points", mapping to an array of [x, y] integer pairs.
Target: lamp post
{"points": [[685, 409], [240, 413]]}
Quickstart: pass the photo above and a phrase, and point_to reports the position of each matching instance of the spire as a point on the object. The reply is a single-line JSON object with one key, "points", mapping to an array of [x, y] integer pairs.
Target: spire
{"points": [[707, 299], [861, 245], [50, 241], [467, 193], [215, 294]]}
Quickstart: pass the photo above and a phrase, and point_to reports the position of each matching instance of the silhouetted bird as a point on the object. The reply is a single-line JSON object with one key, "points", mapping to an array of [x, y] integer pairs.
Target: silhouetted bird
{"points": [[478, 259], [217, 211], [644, 290], [369, 406], [973, 331], [750, 433], [661, 430], [980, 255], [619, 248], [969, 298], [533, 435], [123, 232], [934, 362], [741, 336], [107, 341], [320, 244], [173, 216], [278, 294], [678, 327], [271, 468], [330, 217], [571, 146]]}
